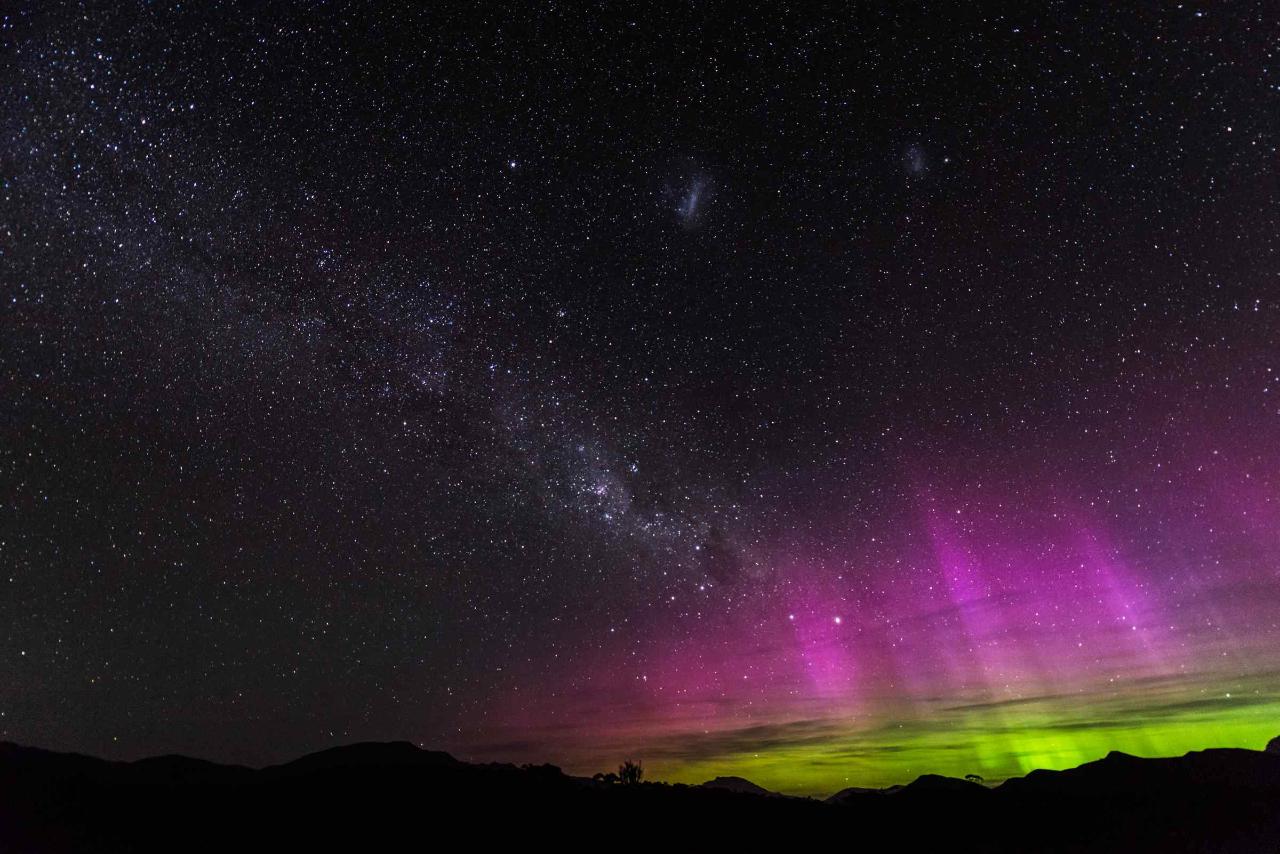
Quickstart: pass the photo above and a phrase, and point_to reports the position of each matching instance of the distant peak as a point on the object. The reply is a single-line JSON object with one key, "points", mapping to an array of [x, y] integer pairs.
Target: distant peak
{"points": [[736, 784], [939, 783], [370, 754]]}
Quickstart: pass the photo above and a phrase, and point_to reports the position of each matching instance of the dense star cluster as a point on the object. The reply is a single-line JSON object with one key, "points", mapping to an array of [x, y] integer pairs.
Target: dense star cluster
{"points": [[820, 397]]}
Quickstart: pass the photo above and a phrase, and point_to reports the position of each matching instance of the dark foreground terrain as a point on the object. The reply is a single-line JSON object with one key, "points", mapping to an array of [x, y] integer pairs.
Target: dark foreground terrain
{"points": [[373, 797]]}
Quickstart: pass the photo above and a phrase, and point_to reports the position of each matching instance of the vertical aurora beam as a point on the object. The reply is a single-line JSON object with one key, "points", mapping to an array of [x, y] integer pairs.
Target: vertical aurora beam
{"points": [[817, 616]]}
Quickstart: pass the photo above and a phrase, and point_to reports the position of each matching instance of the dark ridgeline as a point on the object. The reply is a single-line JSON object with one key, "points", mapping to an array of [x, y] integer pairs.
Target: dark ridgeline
{"points": [[738, 784], [394, 796]]}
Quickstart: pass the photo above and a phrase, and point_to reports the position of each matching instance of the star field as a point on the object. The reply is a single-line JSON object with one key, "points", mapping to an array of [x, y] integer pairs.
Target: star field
{"points": [[821, 396]]}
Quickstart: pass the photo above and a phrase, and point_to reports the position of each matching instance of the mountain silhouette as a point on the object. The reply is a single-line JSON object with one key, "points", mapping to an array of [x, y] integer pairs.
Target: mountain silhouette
{"points": [[737, 784], [364, 755], [378, 796]]}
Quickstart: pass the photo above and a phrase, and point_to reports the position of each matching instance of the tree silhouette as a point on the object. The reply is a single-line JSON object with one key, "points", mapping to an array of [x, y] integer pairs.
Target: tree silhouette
{"points": [[630, 772]]}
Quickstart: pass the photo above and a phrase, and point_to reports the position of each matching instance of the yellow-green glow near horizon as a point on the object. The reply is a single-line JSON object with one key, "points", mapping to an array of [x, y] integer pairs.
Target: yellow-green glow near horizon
{"points": [[996, 738], [979, 743]]}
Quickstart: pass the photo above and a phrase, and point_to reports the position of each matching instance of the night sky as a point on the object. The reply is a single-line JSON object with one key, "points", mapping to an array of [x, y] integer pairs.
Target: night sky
{"points": [[822, 397]]}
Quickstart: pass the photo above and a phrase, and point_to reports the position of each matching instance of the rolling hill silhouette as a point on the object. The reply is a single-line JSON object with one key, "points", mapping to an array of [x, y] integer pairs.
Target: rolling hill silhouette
{"points": [[738, 784], [377, 796]]}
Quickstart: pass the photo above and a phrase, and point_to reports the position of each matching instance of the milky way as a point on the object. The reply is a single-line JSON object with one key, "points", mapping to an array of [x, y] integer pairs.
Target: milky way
{"points": [[826, 400]]}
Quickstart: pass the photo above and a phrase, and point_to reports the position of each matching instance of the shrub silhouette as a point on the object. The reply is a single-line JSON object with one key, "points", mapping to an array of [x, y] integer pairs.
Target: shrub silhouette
{"points": [[602, 777], [973, 778], [630, 772]]}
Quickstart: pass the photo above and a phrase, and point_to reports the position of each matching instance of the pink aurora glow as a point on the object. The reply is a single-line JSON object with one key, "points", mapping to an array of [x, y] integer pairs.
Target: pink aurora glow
{"points": [[984, 602]]}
